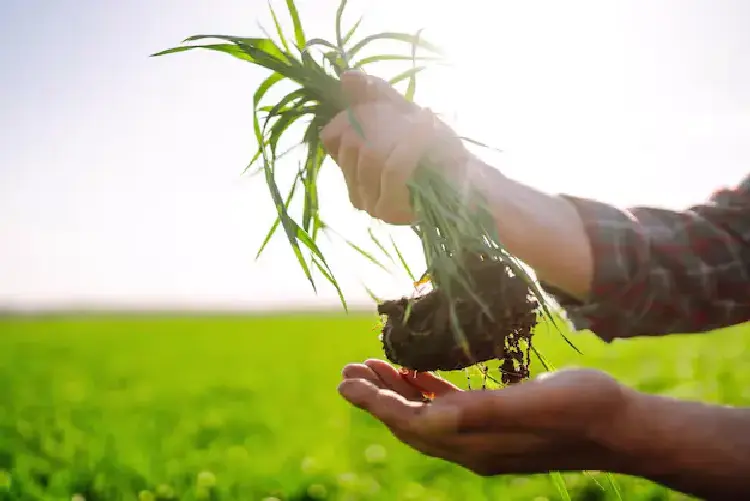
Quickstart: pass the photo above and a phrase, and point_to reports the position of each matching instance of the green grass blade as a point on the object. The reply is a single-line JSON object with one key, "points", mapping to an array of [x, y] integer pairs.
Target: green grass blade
{"points": [[286, 119], [350, 33], [380, 246], [295, 234], [412, 88], [230, 49], [298, 97], [366, 61], [263, 45], [313, 247], [313, 162], [339, 35], [260, 92], [319, 42], [276, 223], [559, 482], [279, 31], [290, 227], [547, 366], [394, 37], [613, 484], [264, 87], [371, 293], [367, 255], [336, 61], [404, 264], [360, 250], [479, 143], [326, 272], [410, 73], [299, 34]]}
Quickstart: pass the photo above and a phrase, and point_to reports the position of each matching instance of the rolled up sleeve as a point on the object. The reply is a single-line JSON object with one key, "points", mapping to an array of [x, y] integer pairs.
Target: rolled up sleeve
{"points": [[659, 272]]}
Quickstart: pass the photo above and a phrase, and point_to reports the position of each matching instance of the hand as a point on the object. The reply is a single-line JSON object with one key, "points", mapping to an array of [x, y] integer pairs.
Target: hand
{"points": [[398, 135], [560, 421]]}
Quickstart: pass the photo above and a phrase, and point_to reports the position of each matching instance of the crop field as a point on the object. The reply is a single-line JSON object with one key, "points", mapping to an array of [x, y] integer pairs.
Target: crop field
{"points": [[224, 408]]}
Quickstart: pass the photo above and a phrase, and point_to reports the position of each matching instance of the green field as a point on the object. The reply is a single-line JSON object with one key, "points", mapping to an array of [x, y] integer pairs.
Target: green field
{"points": [[246, 408]]}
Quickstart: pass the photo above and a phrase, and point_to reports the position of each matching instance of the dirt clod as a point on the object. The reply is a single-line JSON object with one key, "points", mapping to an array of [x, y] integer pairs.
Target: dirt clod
{"points": [[426, 340]]}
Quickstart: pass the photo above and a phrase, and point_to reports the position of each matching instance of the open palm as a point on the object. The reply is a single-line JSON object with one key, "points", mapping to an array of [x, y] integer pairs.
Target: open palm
{"points": [[557, 422]]}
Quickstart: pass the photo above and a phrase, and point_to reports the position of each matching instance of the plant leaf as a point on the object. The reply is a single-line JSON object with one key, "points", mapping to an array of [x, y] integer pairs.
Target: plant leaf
{"points": [[412, 88], [350, 33], [230, 49], [402, 260], [299, 35], [279, 31], [365, 61], [319, 42], [380, 245], [275, 225], [406, 74], [395, 37]]}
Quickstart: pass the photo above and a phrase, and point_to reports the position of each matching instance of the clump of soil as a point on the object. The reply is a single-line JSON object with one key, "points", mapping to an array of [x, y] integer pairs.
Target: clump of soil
{"points": [[426, 340]]}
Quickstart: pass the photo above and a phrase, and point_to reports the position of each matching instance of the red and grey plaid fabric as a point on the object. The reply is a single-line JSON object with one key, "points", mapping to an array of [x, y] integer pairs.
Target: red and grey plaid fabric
{"points": [[663, 272]]}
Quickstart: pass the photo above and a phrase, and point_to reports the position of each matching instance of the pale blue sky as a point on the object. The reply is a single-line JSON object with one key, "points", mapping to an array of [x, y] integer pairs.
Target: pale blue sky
{"points": [[120, 175]]}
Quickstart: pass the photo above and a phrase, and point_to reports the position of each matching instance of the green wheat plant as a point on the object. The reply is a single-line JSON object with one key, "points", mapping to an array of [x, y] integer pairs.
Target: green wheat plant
{"points": [[447, 227]]}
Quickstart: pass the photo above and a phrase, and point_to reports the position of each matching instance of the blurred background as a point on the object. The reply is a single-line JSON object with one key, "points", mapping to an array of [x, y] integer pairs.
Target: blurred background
{"points": [[145, 353]]}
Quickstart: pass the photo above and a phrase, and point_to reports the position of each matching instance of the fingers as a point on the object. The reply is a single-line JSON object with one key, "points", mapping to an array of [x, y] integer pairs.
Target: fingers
{"points": [[409, 384], [332, 134], [423, 382], [385, 376], [395, 379], [402, 162], [368, 178], [430, 383], [347, 158], [361, 371], [392, 409], [371, 394], [338, 141]]}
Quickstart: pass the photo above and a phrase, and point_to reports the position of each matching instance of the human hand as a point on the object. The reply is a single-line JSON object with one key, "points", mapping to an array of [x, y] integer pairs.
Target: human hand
{"points": [[561, 421], [398, 135]]}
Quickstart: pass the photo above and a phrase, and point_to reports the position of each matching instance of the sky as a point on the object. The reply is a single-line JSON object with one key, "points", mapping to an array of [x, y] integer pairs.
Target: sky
{"points": [[121, 175]]}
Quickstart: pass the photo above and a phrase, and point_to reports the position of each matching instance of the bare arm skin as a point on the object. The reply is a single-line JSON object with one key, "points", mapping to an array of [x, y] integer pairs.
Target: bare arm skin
{"points": [[531, 223], [570, 420], [619, 273], [699, 449], [625, 273]]}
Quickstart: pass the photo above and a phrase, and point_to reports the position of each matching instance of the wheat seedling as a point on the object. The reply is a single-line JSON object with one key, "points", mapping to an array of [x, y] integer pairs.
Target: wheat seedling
{"points": [[483, 304]]}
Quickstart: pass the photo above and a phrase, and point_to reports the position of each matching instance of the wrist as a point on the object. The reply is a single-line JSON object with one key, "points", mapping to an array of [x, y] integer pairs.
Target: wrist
{"points": [[629, 437], [530, 222], [696, 448]]}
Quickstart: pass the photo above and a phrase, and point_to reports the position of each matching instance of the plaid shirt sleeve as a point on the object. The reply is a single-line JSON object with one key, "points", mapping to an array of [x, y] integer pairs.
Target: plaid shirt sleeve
{"points": [[659, 272]]}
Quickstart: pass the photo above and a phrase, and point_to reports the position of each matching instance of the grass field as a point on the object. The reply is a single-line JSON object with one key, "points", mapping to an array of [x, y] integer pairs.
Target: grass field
{"points": [[246, 408]]}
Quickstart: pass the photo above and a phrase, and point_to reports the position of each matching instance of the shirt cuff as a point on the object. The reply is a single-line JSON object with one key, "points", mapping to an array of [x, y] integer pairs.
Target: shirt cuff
{"points": [[616, 249]]}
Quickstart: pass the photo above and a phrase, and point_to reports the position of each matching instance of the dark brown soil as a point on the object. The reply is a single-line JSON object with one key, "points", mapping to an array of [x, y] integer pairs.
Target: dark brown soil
{"points": [[426, 342]]}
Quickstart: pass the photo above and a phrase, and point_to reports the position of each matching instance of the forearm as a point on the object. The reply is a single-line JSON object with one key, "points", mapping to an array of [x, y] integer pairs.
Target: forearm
{"points": [[625, 273], [699, 449], [531, 223]]}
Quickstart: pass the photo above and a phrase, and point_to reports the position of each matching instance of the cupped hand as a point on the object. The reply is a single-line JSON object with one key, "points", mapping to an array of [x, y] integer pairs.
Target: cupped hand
{"points": [[398, 135], [559, 421]]}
